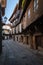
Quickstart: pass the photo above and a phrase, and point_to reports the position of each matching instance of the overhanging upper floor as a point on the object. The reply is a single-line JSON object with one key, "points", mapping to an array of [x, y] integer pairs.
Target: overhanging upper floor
{"points": [[21, 14]]}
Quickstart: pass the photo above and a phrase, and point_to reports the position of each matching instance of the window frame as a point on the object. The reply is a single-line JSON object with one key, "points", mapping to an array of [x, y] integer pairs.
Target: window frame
{"points": [[36, 5]]}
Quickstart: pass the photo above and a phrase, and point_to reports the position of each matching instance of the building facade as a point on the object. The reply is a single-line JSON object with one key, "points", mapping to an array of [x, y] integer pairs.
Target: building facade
{"points": [[30, 29]]}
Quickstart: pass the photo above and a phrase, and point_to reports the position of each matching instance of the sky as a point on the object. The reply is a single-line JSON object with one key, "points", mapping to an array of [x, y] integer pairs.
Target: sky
{"points": [[10, 7]]}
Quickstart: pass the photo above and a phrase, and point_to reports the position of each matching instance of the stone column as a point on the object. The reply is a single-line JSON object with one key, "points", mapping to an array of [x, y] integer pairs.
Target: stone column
{"points": [[31, 41], [34, 43], [25, 40], [21, 38]]}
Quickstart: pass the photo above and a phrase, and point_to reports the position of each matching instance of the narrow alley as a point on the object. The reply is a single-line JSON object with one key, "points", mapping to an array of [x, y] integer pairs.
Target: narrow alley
{"points": [[21, 32], [15, 53]]}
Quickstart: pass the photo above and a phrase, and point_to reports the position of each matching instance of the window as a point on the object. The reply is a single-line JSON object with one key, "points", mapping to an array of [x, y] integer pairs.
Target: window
{"points": [[35, 5], [29, 13]]}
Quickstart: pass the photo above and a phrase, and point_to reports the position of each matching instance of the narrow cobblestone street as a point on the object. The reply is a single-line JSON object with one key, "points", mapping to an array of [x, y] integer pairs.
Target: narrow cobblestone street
{"points": [[21, 32], [18, 54]]}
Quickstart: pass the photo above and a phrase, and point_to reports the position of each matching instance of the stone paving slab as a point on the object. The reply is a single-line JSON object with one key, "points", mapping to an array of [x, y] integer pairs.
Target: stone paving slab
{"points": [[16, 54], [3, 56], [32, 50]]}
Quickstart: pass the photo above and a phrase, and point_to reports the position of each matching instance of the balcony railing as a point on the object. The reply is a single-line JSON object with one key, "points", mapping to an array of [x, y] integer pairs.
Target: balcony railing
{"points": [[17, 22]]}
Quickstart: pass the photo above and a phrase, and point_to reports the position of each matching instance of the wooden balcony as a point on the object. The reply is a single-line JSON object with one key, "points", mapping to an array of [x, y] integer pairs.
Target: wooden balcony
{"points": [[23, 12]]}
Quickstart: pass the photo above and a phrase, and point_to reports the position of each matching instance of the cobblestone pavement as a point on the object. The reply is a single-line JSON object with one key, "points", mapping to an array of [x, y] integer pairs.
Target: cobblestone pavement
{"points": [[18, 54]]}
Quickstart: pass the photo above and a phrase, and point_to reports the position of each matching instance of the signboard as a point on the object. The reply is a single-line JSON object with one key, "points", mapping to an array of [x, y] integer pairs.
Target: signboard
{"points": [[3, 3]]}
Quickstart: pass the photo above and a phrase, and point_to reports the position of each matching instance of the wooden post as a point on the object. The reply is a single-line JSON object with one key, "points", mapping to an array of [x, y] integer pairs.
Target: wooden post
{"points": [[0, 30]]}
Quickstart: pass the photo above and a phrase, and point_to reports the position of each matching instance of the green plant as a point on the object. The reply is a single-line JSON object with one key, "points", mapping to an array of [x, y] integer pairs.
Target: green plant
{"points": [[23, 3]]}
